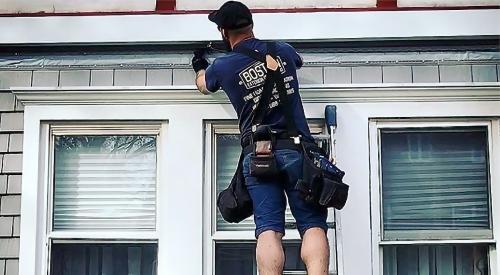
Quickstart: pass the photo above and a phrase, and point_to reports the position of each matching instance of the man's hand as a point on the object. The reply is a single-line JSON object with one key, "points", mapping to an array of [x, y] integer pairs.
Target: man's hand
{"points": [[199, 62]]}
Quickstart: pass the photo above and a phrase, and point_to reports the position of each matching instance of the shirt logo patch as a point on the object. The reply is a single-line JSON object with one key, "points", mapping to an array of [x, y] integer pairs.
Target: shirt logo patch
{"points": [[254, 75]]}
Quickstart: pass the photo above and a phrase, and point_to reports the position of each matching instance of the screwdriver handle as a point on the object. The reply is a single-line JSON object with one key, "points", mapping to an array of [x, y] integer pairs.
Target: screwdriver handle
{"points": [[331, 117]]}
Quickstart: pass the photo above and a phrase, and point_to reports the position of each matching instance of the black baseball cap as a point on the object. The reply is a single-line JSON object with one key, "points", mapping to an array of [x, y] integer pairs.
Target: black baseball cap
{"points": [[231, 15]]}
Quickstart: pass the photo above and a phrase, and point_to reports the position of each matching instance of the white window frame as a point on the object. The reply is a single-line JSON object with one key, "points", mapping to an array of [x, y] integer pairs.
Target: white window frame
{"points": [[57, 128], [493, 142], [212, 236]]}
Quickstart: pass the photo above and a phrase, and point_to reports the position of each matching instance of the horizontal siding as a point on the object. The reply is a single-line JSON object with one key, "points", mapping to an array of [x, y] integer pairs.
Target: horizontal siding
{"points": [[366, 74]]}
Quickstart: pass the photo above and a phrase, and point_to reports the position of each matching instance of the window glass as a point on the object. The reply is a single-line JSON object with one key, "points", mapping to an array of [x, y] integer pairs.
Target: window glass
{"points": [[103, 259], [104, 182], [228, 151], [464, 259], [435, 183], [239, 258]]}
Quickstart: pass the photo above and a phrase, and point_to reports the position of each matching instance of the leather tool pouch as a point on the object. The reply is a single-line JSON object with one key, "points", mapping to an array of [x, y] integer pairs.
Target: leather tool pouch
{"points": [[263, 166], [262, 161]]}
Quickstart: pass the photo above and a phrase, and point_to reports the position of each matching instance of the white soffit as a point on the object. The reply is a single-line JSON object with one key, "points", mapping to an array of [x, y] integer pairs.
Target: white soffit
{"points": [[182, 28], [59, 6], [276, 4]]}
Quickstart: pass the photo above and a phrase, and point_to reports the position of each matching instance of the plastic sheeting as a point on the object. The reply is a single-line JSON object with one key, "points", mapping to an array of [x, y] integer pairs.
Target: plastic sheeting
{"points": [[183, 59]]}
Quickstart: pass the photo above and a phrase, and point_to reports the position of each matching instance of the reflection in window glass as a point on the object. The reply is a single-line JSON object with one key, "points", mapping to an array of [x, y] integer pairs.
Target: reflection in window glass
{"points": [[239, 258], [104, 183], [435, 180], [227, 154]]}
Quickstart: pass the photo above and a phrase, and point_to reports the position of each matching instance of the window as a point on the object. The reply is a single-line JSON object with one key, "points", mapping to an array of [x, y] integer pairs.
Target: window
{"points": [[231, 247], [103, 200], [435, 212]]}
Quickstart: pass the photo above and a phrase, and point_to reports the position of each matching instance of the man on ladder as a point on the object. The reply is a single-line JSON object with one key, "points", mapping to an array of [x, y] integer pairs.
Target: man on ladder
{"points": [[243, 80]]}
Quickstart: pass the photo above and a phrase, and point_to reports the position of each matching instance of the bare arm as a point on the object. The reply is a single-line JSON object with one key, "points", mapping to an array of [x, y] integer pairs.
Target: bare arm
{"points": [[201, 83]]}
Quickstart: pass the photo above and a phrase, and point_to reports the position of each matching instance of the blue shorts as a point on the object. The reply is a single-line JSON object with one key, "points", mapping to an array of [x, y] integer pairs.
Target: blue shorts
{"points": [[269, 200]]}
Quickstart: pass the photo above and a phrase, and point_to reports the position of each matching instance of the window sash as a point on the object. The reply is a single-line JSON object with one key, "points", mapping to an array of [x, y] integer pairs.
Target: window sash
{"points": [[128, 128], [210, 212], [493, 126]]}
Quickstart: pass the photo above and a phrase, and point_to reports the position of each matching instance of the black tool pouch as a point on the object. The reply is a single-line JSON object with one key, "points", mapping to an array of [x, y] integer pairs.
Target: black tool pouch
{"points": [[263, 166], [262, 161], [234, 202], [334, 193], [321, 182], [311, 182]]}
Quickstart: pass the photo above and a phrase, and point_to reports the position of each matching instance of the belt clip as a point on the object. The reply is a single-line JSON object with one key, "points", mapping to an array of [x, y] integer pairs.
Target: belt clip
{"points": [[296, 139], [254, 128]]}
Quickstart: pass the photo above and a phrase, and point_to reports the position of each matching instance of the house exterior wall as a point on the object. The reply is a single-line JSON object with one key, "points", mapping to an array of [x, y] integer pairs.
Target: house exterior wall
{"points": [[350, 72]]}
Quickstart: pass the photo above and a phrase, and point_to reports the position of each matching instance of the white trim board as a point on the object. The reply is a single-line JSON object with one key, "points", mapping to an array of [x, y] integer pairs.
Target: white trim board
{"points": [[431, 92], [314, 26]]}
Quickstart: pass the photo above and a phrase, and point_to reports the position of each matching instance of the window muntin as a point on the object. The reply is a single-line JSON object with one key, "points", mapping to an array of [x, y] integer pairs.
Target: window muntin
{"points": [[104, 182], [435, 183]]}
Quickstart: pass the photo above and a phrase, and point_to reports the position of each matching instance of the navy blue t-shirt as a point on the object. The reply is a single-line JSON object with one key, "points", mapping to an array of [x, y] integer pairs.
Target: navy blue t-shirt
{"points": [[242, 79]]}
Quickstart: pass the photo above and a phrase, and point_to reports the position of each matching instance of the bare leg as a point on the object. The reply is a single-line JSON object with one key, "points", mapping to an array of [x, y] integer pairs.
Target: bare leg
{"points": [[270, 255], [315, 251]]}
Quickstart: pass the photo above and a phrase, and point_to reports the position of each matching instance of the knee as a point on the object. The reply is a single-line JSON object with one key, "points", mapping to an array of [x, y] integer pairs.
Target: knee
{"points": [[270, 235], [314, 232]]}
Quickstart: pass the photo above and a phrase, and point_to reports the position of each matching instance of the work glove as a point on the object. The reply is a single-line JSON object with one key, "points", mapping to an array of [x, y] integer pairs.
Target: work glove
{"points": [[199, 61]]}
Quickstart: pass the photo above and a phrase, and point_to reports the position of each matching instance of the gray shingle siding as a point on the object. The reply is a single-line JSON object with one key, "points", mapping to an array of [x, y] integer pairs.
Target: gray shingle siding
{"points": [[455, 73], [75, 78], [11, 129], [338, 75]]}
